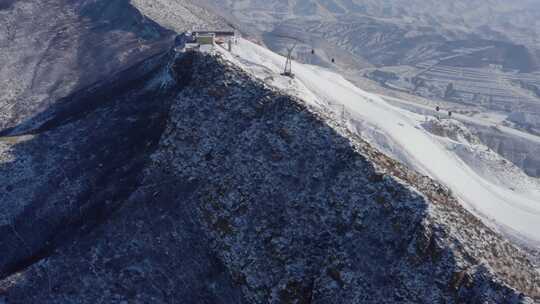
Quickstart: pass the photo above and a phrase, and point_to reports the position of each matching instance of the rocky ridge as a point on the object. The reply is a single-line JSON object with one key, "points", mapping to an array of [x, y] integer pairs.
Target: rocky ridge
{"points": [[250, 196]]}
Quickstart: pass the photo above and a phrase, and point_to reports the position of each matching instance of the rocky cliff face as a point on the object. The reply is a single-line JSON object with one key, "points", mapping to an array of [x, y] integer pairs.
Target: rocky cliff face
{"points": [[190, 181]]}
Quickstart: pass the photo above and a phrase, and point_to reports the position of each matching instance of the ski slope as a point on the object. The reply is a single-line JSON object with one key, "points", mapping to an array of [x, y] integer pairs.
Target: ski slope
{"points": [[400, 134]]}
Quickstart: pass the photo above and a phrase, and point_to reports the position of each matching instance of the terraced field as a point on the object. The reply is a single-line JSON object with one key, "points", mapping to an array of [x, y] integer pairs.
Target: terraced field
{"points": [[494, 89]]}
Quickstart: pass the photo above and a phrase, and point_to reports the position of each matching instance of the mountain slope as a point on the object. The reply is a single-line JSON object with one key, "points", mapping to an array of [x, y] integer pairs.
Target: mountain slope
{"points": [[252, 196], [400, 134], [392, 32], [494, 19], [79, 165], [485, 51], [51, 49], [184, 178]]}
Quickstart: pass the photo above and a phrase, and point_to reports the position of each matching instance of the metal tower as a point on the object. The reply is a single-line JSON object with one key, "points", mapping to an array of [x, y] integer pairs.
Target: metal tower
{"points": [[288, 63]]}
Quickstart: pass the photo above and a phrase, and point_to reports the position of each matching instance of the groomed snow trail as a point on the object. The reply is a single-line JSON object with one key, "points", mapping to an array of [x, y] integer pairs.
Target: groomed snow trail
{"points": [[514, 213]]}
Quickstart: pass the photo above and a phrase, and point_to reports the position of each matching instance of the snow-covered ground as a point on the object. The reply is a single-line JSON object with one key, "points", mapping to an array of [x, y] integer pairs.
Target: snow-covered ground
{"points": [[488, 185]]}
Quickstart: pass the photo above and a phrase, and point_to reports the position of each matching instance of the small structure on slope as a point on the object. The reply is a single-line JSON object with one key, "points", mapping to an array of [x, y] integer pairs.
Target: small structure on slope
{"points": [[288, 63], [203, 40], [220, 37]]}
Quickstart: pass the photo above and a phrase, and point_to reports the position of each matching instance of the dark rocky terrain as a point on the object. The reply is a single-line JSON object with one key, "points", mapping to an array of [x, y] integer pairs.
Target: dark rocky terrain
{"points": [[213, 188], [179, 178]]}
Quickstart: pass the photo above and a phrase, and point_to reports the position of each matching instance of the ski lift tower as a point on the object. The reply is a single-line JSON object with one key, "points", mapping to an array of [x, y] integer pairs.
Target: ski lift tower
{"points": [[288, 64]]}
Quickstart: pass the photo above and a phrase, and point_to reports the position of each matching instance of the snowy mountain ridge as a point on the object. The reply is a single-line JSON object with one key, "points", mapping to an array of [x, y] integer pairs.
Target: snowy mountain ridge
{"points": [[258, 194], [211, 178], [485, 51], [404, 138]]}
